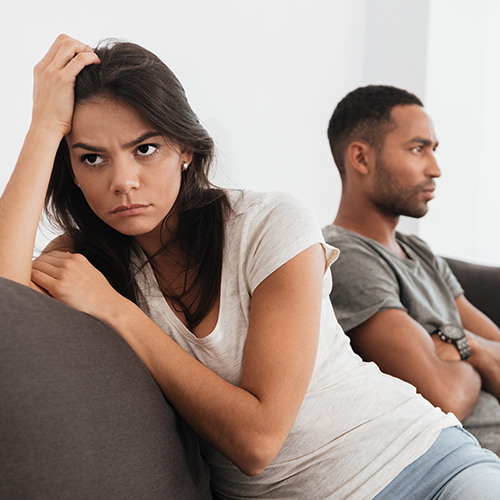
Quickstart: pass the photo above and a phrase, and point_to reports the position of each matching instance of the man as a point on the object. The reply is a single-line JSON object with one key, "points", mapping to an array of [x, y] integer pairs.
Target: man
{"points": [[399, 303]]}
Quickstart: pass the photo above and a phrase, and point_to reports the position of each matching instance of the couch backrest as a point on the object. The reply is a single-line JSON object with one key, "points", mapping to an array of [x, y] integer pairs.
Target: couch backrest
{"points": [[481, 285]]}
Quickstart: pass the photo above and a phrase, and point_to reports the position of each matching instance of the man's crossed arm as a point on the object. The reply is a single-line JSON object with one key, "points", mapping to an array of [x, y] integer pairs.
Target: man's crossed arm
{"points": [[403, 348]]}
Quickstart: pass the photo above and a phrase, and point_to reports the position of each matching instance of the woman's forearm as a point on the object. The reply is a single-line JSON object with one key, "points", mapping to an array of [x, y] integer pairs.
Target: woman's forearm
{"points": [[228, 417], [22, 201]]}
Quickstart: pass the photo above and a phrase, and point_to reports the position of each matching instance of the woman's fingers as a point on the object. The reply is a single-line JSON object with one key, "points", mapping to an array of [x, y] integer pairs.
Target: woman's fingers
{"points": [[79, 61], [55, 77], [53, 272], [71, 49], [62, 51], [71, 279], [60, 265], [54, 48], [44, 280]]}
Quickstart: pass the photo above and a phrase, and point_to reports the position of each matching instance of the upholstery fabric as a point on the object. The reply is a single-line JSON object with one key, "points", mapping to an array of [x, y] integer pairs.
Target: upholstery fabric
{"points": [[80, 415], [481, 285]]}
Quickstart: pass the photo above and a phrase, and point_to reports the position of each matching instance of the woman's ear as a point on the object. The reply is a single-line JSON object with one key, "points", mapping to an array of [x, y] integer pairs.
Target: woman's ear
{"points": [[187, 156], [360, 156]]}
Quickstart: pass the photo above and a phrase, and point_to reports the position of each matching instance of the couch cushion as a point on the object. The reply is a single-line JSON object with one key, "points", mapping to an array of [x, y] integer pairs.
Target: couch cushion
{"points": [[80, 415], [481, 285]]}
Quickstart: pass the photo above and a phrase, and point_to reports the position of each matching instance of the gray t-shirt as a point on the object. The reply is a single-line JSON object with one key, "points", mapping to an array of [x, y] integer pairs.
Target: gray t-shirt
{"points": [[369, 279]]}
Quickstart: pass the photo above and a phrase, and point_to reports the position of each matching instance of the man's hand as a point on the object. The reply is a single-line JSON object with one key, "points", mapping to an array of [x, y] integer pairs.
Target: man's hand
{"points": [[485, 358], [444, 350], [484, 343]]}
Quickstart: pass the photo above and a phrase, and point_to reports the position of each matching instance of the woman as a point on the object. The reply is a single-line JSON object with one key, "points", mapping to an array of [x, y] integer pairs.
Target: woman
{"points": [[253, 359]]}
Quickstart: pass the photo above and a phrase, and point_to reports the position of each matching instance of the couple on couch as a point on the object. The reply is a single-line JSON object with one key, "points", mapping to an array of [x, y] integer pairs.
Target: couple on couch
{"points": [[216, 301]]}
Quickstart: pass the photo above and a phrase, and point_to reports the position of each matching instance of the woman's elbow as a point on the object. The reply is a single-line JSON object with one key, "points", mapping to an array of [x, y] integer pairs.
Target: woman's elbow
{"points": [[257, 455]]}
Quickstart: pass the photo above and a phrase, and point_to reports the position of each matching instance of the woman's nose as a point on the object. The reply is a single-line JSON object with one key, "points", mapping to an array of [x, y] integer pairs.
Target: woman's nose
{"points": [[124, 176]]}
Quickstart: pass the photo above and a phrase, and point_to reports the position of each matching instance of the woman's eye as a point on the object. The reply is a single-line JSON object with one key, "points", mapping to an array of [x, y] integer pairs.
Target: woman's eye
{"points": [[146, 149], [92, 159]]}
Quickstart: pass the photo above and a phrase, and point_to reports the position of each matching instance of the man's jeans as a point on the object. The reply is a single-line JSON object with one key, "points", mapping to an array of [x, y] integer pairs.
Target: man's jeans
{"points": [[454, 468]]}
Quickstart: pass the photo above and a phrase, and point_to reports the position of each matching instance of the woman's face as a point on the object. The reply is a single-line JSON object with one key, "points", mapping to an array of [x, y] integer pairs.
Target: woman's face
{"points": [[129, 174]]}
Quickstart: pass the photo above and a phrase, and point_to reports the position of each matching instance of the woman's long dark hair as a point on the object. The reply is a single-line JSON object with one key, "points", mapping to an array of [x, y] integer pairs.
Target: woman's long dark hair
{"points": [[132, 75]]}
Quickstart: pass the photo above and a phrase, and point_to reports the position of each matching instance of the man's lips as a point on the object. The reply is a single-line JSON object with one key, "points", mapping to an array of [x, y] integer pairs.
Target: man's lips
{"points": [[429, 191], [128, 210]]}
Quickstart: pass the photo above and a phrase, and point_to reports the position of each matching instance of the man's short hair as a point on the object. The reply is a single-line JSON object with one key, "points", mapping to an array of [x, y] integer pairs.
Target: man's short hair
{"points": [[365, 114]]}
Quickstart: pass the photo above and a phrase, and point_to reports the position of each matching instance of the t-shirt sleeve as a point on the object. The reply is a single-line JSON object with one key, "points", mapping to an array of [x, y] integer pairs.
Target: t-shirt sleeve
{"points": [[279, 228], [363, 285], [451, 280], [439, 263]]}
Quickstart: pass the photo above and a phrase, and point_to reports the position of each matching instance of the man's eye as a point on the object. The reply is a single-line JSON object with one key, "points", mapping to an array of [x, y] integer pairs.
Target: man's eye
{"points": [[146, 149]]}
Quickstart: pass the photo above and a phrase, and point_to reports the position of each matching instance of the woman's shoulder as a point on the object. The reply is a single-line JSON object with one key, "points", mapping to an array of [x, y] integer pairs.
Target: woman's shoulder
{"points": [[271, 214], [244, 201], [61, 243]]}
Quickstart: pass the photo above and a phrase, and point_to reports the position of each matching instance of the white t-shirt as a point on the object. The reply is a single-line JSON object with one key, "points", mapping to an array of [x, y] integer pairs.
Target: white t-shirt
{"points": [[357, 428]]}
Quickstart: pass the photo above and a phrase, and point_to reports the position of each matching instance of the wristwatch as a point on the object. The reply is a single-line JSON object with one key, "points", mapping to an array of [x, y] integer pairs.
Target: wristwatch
{"points": [[455, 334]]}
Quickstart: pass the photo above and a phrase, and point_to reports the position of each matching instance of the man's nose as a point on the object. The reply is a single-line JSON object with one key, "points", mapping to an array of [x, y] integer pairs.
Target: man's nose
{"points": [[433, 169]]}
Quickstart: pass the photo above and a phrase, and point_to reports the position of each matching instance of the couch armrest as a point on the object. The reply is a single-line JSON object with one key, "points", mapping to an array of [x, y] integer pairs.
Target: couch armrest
{"points": [[481, 285], [80, 415]]}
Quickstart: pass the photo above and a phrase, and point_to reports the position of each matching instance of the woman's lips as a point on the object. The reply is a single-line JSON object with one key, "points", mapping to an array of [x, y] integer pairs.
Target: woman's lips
{"points": [[129, 210]]}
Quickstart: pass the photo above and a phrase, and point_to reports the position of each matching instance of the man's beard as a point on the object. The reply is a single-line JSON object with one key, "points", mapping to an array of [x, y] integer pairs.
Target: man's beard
{"points": [[393, 199]]}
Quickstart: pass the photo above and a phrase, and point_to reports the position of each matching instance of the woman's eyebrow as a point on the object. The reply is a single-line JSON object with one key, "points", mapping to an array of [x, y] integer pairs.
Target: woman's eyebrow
{"points": [[142, 138], [135, 142]]}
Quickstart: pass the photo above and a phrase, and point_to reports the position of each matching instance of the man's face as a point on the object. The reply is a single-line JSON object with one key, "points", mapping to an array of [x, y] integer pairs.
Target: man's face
{"points": [[405, 169]]}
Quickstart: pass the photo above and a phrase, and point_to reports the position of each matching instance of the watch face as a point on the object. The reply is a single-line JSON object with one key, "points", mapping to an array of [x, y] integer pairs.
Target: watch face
{"points": [[452, 332]]}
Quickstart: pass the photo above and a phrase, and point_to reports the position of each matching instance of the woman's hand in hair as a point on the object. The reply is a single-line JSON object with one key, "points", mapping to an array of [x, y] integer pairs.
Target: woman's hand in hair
{"points": [[55, 75], [22, 200], [71, 279]]}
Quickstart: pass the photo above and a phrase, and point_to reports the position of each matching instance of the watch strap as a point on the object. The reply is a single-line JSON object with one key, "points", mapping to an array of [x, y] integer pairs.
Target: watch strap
{"points": [[463, 348], [462, 344]]}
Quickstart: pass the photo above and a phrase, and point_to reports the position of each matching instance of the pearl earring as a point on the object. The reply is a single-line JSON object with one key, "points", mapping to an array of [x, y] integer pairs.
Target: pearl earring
{"points": [[184, 166]]}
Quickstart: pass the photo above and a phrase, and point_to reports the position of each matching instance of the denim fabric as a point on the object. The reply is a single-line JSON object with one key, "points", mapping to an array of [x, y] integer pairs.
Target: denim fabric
{"points": [[455, 467]]}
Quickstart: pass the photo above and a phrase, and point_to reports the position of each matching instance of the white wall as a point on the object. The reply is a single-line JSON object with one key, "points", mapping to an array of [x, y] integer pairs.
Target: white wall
{"points": [[264, 77], [463, 97], [396, 53]]}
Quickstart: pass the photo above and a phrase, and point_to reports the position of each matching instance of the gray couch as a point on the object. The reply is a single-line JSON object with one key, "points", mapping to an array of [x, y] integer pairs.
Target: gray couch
{"points": [[82, 418], [80, 415], [481, 285]]}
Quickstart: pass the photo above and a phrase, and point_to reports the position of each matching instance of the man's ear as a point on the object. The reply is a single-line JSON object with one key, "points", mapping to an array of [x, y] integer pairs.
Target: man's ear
{"points": [[359, 156]]}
